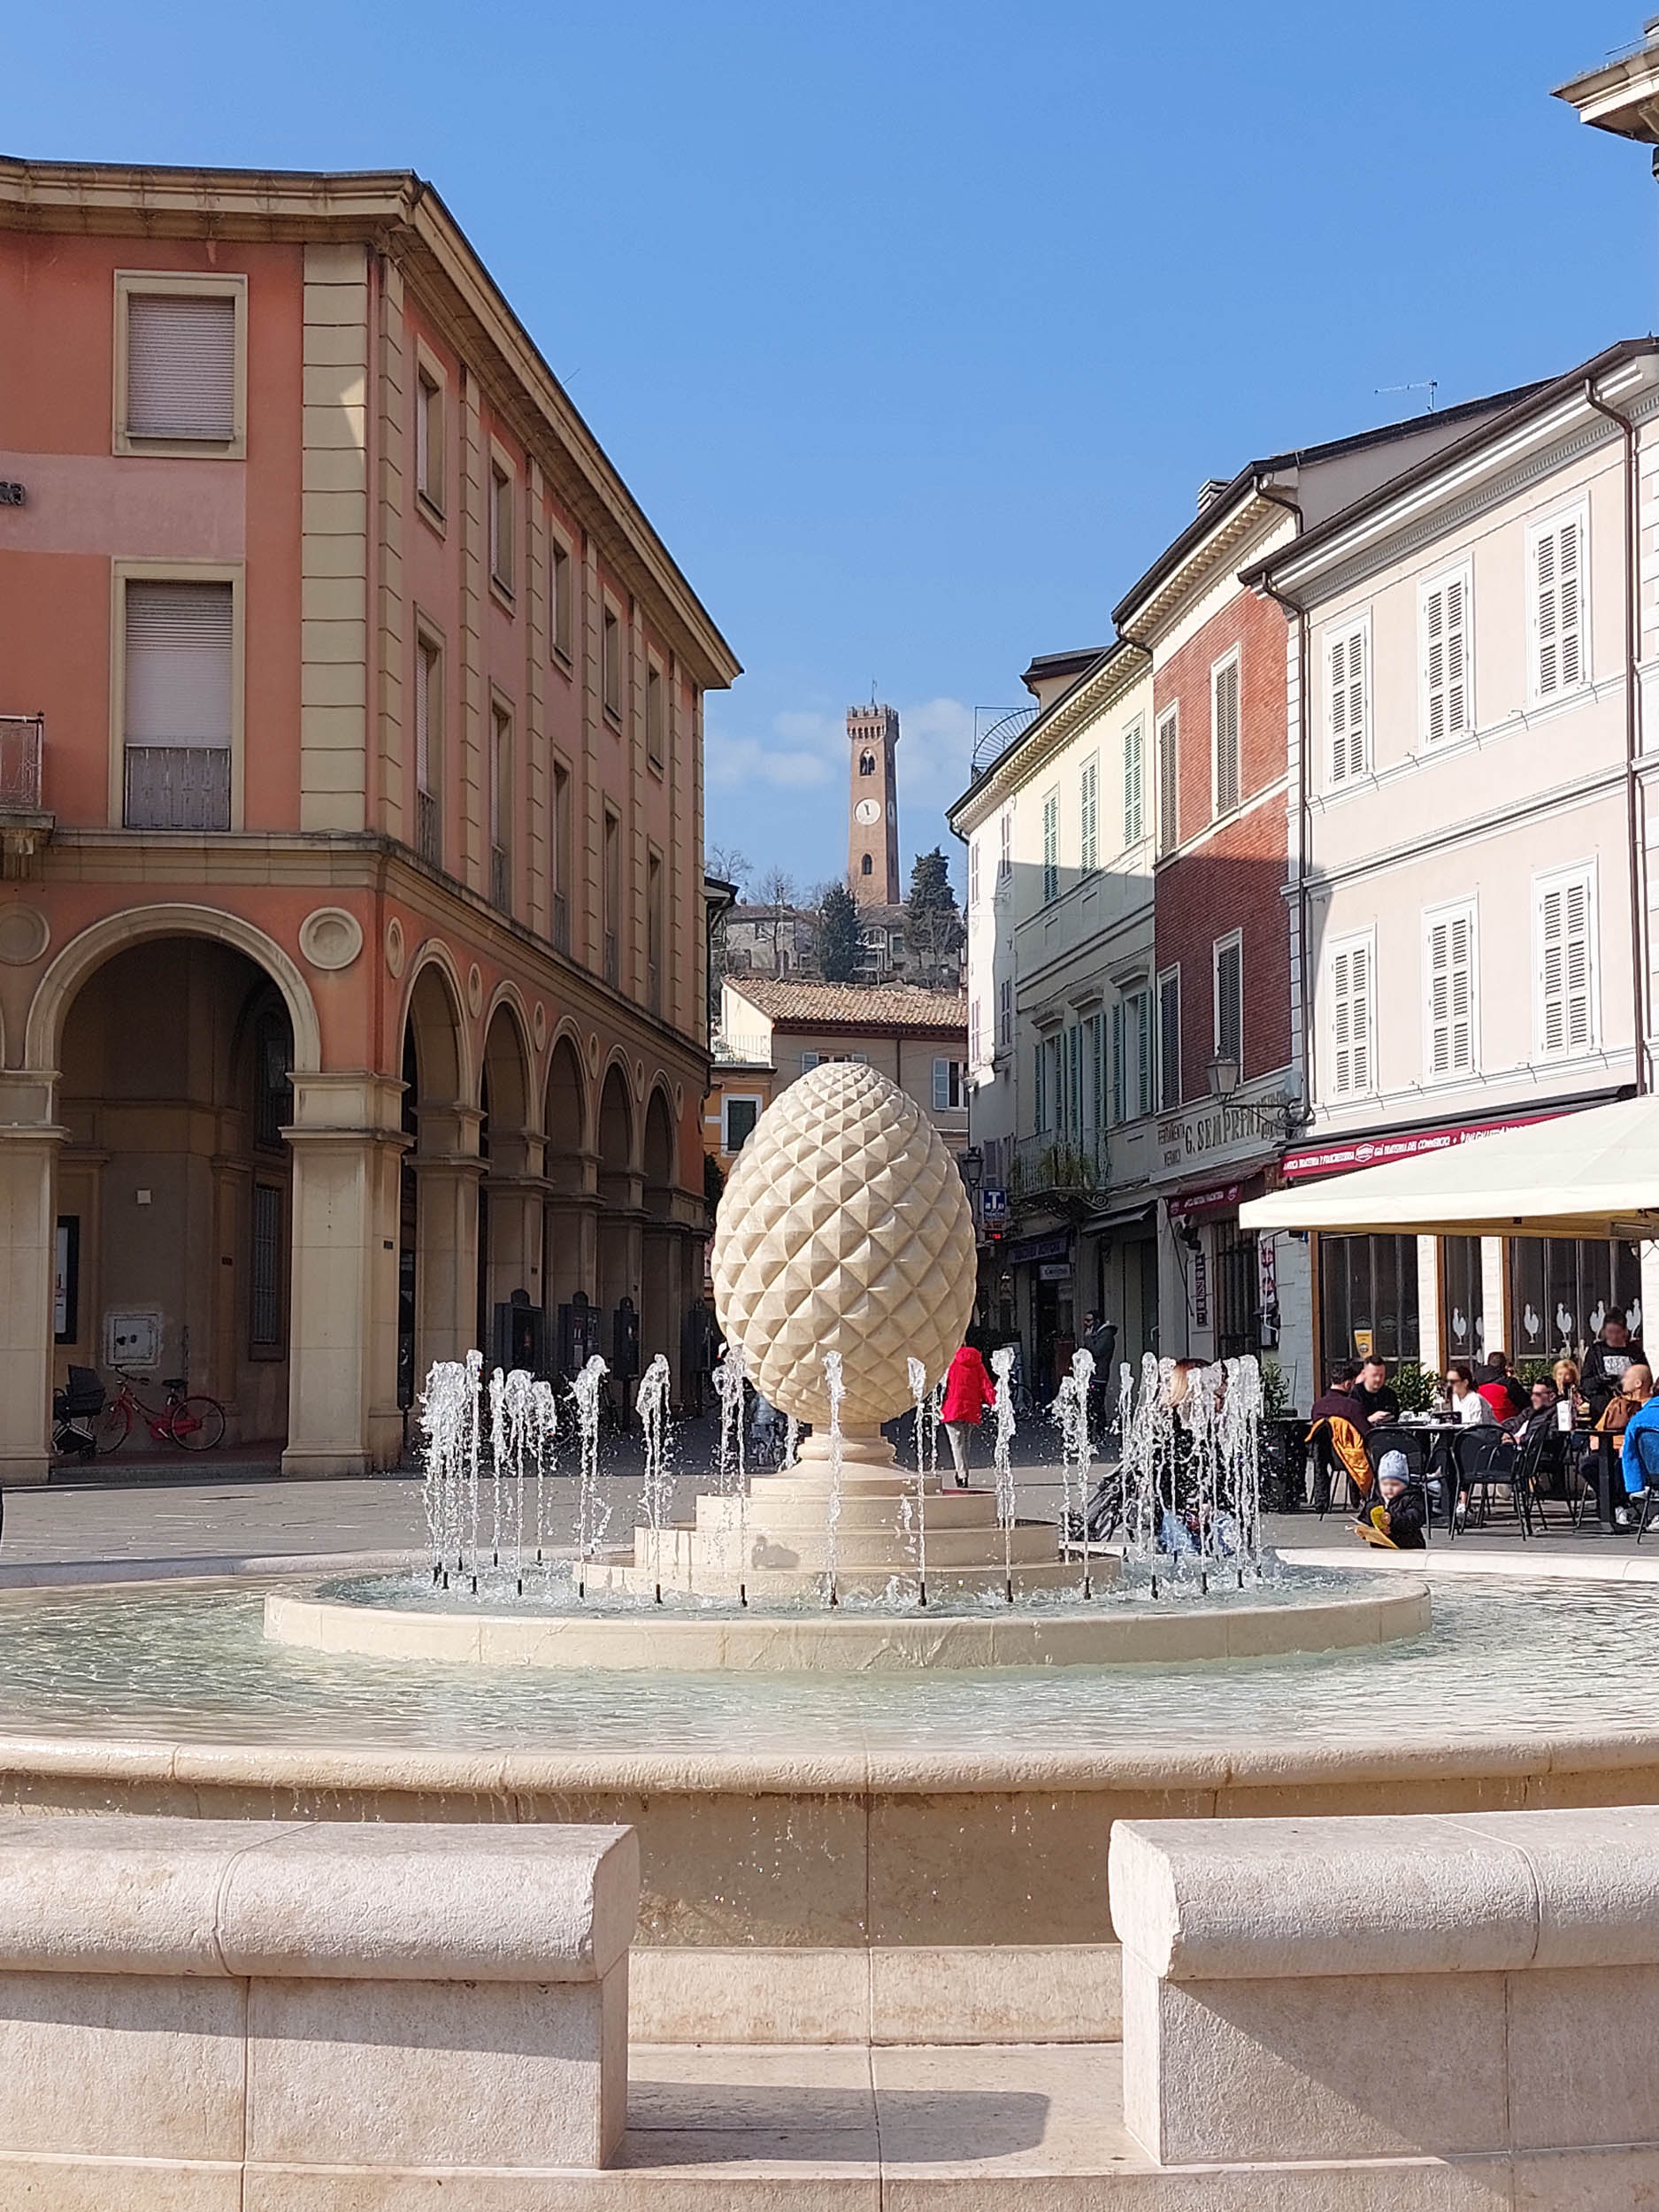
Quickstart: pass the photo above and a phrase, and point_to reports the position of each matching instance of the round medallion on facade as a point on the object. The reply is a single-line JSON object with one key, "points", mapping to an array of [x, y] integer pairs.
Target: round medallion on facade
{"points": [[25, 934], [475, 990], [844, 1228], [538, 1025], [331, 938], [394, 946]]}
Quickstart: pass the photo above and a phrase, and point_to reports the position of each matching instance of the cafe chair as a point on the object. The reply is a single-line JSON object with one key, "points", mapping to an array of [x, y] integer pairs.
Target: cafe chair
{"points": [[1647, 1460], [1485, 1460]]}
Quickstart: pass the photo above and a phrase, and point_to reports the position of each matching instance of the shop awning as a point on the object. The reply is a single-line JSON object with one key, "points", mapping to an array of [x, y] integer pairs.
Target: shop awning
{"points": [[1590, 1174]]}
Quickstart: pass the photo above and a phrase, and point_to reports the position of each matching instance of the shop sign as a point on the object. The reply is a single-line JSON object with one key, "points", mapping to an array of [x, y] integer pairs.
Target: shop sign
{"points": [[1054, 1271], [993, 1206], [1343, 1155], [1213, 1132], [1027, 1250], [1194, 1205], [1201, 1291]]}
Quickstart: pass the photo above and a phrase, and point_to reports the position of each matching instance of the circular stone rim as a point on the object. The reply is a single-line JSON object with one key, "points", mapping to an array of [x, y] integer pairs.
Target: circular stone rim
{"points": [[844, 1643]]}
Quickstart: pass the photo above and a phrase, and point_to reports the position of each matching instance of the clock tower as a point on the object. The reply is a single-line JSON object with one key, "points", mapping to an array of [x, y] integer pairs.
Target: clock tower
{"points": [[872, 810]]}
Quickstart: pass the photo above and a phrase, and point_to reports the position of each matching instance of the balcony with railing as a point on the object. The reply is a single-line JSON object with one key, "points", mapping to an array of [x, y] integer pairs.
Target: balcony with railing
{"points": [[561, 922], [177, 788], [1055, 1166], [501, 878], [428, 828], [613, 961], [25, 825]]}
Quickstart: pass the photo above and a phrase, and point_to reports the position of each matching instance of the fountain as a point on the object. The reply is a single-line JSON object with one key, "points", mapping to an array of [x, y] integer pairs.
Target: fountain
{"points": [[843, 1272]]}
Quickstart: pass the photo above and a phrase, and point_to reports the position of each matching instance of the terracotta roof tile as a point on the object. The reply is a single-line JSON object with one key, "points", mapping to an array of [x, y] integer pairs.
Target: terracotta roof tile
{"points": [[823, 1005]]}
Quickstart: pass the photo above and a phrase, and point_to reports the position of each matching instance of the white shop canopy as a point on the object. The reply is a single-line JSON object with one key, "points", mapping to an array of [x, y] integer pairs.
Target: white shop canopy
{"points": [[1589, 1174]]}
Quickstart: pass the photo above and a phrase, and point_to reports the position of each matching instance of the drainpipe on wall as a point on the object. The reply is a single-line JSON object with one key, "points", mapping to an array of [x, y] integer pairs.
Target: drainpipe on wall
{"points": [[1633, 808], [1297, 615]]}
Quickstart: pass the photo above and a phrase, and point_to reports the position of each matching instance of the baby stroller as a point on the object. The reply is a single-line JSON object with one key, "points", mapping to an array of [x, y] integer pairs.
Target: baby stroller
{"points": [[74, 1409]]}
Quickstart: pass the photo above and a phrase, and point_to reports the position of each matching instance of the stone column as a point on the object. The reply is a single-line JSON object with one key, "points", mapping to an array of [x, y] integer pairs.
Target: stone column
{"points": [[343, 1417], [517, 1195], [448, 1173], [29, 1142]]}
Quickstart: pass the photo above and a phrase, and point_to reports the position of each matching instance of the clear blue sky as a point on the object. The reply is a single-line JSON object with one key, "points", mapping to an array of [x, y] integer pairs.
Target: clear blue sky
{"points": [[915, 325]]}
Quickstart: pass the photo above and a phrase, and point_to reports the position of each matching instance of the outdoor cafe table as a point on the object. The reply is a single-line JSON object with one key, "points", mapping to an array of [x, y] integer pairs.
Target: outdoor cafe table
{"points": [[1437, 1426]]}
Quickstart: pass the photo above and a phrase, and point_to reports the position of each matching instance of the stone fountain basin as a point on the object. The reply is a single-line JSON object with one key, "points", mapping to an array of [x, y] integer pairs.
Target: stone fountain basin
{"points": [[846, 1641]]}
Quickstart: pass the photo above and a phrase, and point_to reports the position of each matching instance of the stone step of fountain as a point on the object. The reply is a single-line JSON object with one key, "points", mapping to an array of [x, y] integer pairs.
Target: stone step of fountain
{"points": [[620, 1572], [786, 1506]]}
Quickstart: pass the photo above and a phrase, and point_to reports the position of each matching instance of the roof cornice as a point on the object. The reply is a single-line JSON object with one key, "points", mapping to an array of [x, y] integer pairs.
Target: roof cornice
{"points": [[403, 217]]}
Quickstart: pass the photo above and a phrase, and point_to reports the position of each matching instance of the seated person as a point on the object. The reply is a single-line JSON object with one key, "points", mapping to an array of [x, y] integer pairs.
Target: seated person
{"points": [[1539, 1413], [1336, 1427], [1339, 1403], [1501, 1390], [1376, 1401], [1607, 1360], [1396, 1522], [1638, 1456], [1463, 1402], [1630, 1403]]}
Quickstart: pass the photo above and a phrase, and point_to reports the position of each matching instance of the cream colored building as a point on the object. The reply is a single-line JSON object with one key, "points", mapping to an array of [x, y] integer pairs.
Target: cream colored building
{"points": [[1482, 640], [1060, 979], [918, 1039]]}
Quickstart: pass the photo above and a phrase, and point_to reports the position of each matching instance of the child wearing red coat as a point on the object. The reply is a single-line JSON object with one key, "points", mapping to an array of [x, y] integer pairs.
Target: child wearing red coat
{"points": [[968, 1392]]}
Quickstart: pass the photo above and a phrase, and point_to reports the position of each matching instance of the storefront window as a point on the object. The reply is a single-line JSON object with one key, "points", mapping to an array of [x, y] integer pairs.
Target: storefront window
{"points": [[1464, 1331], [1368, 1297], [1561, 1287]]}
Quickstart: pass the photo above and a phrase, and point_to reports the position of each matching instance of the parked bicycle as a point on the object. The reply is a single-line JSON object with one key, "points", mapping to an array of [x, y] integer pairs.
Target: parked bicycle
{"points": [[197, 1423]]}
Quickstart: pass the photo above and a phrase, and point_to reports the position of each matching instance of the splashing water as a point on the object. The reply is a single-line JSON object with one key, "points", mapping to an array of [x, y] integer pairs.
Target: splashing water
{"points": [[444, 1423], [586, 1391], [1192, 1469], [1077, 1444], [498, 1458], [926, 1422], [474, 1370], [836, 1390], [545, 1430], [791, 1440], [731, 1375], [1002, 1458], [651, 1405]]}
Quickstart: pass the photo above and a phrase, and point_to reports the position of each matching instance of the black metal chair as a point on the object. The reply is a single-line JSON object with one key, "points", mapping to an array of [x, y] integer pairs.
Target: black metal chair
{"points": [[1328, 1468], [1647, 1459], [1413, 1446], [1486, 1459]]}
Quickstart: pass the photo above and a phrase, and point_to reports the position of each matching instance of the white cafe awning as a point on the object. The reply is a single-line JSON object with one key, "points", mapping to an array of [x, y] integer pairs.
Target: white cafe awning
{"points": [[1589, 1174]]}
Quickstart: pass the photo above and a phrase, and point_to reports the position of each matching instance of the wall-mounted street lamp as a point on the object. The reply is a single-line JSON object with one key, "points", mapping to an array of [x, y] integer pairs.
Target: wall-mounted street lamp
{"points": [[1279, 1118]]}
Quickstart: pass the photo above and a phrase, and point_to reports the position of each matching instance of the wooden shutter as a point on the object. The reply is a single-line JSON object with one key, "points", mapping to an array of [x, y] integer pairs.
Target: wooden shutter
{"points": [[1169, 784], [1051, 846], [1133, 819], [1143, 1019], [1170, 1041], [1346, 704], [1230, 1001], [179, 665], [1088, 797], [1446, 660], [1120, 1053], [1351, 1018], [1226, 706], [1451, 993], [1566, 1022], [424, 658], [180, 367], [1558, 607]]}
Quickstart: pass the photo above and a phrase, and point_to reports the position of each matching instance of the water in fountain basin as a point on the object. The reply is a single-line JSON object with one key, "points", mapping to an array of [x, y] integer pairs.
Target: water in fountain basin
{"points": [[445, 1424], [1191, 1469]]}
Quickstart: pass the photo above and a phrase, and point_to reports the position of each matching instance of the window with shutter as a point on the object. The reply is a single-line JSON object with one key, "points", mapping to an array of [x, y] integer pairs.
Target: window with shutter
{"points": [[1088, 814], [975, 1034], [1005, 1014], [1559, 637], [1039, 1089], [1169, 783], [1120, 1062], [1140, 1020], [1134, 807], [1449, 956], [1100, 1074], [561, 608], [180, 367], [1169, 1040], [1225, 719], [1051, 846], [501, 531], [1447, 710], [1347, 704], [1564, 926], [429, 440], [178, 705], [1229, 984], [1351, 1018]]}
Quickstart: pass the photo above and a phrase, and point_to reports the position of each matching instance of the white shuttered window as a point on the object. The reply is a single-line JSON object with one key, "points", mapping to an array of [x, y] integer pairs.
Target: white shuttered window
{"points": [[1560, 644], [1169, 784], [1450, 958], [1088, 814], [1348, 703], [1134, 804], [1564, 929], [1447, 708], [177, 706], [180, 367], [1224, 718], [1351, 1049]]}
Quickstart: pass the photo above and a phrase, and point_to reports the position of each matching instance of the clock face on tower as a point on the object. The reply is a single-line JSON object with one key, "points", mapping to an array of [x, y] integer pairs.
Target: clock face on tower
{"points": [[868, 811]]}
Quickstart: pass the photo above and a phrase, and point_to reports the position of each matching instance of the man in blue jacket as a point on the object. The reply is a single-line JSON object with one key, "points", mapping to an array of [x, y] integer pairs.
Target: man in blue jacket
{"points": [[1640, 1462]]}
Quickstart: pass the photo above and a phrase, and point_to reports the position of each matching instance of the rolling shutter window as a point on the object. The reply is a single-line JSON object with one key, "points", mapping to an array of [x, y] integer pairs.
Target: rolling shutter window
{"points": [[1225, 715], [424, 658], [1347, 706], [1446, 660], [181, 368], [1566, 1012], [179, 665], [1451, 939], [1351, 1018], [1558, 607]]}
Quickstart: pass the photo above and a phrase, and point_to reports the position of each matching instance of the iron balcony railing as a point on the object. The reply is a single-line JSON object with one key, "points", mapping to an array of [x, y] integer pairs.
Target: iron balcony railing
{"points": [[177, 788], [613, 960], [22, 742], [501, 878], [428, 829], [561, 922], [1060, 1163]]}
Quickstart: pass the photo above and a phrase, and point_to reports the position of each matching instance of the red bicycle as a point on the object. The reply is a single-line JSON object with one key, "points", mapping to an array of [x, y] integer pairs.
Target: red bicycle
{"points": [[196, 1422]]}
